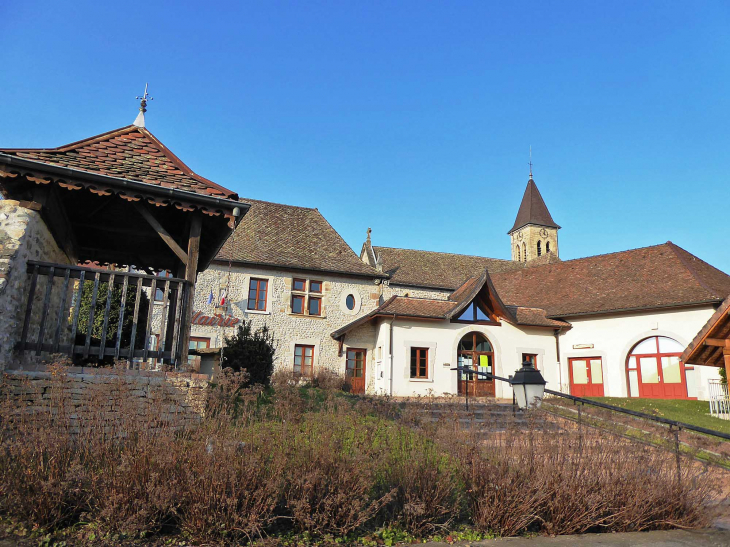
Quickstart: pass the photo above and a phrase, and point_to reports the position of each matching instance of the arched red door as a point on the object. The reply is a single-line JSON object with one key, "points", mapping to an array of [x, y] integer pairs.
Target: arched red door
{"points": [[654, 370]]}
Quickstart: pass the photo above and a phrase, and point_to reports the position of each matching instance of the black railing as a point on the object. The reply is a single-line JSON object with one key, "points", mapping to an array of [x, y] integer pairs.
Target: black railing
{"points": [[665, 421], [91, 313]]}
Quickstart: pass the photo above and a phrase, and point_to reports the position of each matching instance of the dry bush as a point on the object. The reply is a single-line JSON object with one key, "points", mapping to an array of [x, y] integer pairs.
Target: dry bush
{"points": [[330, 475], [553, 484], [318, 461], [328, 380]]}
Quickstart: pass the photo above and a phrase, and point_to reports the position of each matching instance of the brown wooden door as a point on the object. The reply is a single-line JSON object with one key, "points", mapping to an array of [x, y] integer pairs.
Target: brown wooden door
{"points": [[477, 386], [355, 369]]}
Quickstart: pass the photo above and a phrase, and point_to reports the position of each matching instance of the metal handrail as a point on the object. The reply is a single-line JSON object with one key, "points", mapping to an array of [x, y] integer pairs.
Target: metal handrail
{"points": [[665, 421]]}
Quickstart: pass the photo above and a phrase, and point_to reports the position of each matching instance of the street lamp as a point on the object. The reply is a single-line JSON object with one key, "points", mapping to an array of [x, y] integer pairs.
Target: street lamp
{"points": [[528, 386]]}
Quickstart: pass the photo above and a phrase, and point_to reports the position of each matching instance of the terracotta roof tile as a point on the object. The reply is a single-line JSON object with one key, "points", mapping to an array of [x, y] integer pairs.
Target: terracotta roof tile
{"points": [[651, 277], [438, 270], [293, 237], [535, 317], [131, 153]]}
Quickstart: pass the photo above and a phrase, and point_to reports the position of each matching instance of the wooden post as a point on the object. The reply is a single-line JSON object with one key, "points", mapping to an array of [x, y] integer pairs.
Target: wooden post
{"points": [[726, 354], [190, 276]]}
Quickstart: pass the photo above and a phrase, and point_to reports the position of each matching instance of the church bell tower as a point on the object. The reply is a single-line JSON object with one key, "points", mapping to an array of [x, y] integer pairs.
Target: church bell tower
{"points": [[534, 233]]}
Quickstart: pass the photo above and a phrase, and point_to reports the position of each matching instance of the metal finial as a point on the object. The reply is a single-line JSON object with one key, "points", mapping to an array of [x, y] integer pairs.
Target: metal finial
{"points": [[139, 122], [530, 162]]}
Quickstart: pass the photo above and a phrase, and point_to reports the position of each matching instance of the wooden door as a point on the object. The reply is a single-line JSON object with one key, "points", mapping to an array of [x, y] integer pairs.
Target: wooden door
{"points": [[355, 369], [476, 386], [586, 376]]}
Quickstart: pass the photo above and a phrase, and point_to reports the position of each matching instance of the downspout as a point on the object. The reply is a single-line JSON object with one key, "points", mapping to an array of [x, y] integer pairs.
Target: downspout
{"points": [[390, 351], [558, 331]]}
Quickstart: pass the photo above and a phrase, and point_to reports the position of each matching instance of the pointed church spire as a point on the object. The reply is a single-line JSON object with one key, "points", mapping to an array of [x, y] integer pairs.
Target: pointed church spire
{"points": [[139, 120], [533, 209]]}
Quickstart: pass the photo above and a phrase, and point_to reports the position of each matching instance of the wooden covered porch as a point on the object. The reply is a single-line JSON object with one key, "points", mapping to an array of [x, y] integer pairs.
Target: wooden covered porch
{"points": [[136, 225]]}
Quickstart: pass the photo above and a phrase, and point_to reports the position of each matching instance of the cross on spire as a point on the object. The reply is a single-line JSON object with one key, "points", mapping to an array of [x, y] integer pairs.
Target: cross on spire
{"points": [[139, 121], [530, 162]]}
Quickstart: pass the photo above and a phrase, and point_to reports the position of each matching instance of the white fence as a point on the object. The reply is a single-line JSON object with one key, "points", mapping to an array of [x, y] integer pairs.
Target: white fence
{"points": [[719, 399]]}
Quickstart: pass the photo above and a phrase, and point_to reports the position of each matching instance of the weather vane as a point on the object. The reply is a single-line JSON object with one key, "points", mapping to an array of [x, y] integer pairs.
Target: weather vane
{"points": [[530, 162], [139, 122], [143, 100]]}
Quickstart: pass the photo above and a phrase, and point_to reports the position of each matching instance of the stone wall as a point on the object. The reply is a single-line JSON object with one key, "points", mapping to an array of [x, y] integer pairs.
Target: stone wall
{"points": [[84, 393], [291, 329], [23, 236]]}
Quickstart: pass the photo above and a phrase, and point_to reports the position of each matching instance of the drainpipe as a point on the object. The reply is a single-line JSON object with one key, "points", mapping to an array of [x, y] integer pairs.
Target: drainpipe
{"points": [[390, 351], [558, 331]]}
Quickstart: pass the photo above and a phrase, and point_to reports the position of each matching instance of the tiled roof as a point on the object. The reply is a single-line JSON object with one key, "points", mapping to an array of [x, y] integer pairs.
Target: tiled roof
{"points": [[286, 236], [717, 327], [428, 308], [131, 153], [652, 277], [535, 317], [438, 270], [533, 209]]}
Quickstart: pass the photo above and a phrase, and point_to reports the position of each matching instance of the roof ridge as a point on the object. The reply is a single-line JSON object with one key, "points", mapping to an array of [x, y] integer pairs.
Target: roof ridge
{"points": [[354, 254], [441, 253], [248, 200], [691, 268], [75, 144], [536, 266]]}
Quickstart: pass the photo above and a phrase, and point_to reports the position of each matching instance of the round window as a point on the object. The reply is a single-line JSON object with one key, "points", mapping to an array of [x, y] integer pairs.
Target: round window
{"points": [[350, 302]]}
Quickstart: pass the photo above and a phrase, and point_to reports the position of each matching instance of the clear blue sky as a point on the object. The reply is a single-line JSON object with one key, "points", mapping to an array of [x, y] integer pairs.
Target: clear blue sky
{"points": [[414, 118]]}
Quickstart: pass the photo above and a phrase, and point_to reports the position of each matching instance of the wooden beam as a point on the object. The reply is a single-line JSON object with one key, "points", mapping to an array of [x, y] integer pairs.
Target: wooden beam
{"points": [[167, 238], [191, 272], [717, 342]]}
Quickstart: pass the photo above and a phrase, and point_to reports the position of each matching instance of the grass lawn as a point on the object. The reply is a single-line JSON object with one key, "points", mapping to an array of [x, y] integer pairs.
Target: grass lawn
{"points": [[690, 412]]}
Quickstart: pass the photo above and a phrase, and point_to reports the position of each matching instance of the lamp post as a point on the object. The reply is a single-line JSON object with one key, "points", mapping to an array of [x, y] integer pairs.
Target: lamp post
{"points": [[528, 386]]}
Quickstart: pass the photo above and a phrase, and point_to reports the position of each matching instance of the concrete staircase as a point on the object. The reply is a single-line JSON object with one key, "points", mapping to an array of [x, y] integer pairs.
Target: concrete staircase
{"points": [[484, 416]]}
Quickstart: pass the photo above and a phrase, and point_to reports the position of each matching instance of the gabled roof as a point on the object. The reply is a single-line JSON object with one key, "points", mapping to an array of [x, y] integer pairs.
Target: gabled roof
{"points": [[649, 278], [272, 234], [430, 308], [437, 270], [533, 210], [715, 331], [131, 153]]}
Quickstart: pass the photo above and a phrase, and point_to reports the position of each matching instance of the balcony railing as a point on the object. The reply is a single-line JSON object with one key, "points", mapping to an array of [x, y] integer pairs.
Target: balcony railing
{"points": [[91, 313]]}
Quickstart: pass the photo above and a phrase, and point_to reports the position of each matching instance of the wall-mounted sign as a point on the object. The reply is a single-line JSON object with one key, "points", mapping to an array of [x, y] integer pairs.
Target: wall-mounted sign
{"points": [[216, 320], [582, 346]]}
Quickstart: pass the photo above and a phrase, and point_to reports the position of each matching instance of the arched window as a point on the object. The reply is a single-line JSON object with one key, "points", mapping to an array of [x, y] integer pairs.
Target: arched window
{"points": [[539, 249], [547, 247], [524, 253], [517, 254], [653, 370], [475, 352]]}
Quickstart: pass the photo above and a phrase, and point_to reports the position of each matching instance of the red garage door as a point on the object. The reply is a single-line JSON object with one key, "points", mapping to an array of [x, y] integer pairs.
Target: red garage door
{"points": [[654, 370]]}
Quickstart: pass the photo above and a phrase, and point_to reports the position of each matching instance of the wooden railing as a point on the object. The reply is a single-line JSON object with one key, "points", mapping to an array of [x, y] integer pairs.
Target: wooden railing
{"points": [[71, 310]]}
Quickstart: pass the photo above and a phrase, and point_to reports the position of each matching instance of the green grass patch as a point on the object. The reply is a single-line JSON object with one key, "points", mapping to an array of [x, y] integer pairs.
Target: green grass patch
{"points": [[690, 412]]}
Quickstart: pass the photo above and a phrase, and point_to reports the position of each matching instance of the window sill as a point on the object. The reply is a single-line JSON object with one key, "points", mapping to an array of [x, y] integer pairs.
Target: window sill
{"points": [[258, 312], [306, 316], [421, 380]]}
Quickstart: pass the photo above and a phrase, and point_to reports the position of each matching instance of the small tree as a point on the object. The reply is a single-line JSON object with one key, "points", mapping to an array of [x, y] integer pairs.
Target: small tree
{"points": [[251, 350], [116, 302], [723, 375]]}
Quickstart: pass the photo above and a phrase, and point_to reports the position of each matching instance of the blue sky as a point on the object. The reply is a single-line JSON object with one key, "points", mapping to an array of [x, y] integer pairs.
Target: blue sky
{"points": [[413, 118]]}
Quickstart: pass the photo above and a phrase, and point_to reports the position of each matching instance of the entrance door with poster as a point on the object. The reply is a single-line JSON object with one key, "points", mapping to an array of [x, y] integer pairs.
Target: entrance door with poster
{"points": [[586, 376], [475, 352], [355, 369]]}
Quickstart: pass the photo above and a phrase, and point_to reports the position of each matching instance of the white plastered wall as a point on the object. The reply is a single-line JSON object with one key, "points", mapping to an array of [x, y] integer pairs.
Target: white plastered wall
{"points": [[442, 339], [613, 337]]}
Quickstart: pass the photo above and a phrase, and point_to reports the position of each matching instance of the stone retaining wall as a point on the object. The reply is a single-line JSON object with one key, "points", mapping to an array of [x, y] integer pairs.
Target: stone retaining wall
{"points": [[83, 393]]}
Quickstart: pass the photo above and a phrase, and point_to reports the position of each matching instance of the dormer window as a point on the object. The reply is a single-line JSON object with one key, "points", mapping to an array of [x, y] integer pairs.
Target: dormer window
{"points": [[473, 314]]}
